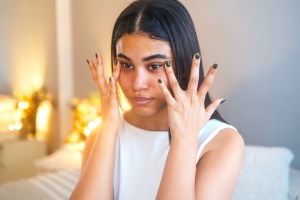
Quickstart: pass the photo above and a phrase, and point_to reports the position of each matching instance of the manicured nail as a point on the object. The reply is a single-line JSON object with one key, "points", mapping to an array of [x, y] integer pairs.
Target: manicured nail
{"points": [[88, 62], [168, 63], [223, 100], [159, 80], [215, 66], [96, 55], [115, 61], [197, 56], [109, 79]]}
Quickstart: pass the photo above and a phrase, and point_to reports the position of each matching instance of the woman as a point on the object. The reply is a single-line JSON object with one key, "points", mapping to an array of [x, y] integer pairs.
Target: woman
{"points": [[172, 143]]}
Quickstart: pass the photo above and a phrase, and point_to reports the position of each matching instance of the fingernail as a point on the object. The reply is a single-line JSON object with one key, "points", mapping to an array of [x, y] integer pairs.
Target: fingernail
{"points": [[88, 62], [215, 66], [197, 56], [168, 63], [115, 61], [223, 100], [96, 55], [109, 79], [159, 80]]}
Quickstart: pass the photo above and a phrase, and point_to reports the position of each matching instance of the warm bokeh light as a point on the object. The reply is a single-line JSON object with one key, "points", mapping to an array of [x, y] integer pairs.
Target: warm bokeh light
{"points": [[91, 126], [9, 111], [124, 103], [26, 115], [43, 119], [23, 105], [87, 117]]}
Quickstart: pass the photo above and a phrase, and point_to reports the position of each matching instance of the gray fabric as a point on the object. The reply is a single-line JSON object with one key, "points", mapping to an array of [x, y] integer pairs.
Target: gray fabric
{"points": [[294, 192]]}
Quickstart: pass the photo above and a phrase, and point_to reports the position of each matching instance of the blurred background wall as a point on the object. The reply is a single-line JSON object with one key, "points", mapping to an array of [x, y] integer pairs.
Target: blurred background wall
{"points": [[28, 56]]}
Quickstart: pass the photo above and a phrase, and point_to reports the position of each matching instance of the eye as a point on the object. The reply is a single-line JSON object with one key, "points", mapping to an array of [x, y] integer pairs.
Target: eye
{"points": [[127, 65], [155, 66]]}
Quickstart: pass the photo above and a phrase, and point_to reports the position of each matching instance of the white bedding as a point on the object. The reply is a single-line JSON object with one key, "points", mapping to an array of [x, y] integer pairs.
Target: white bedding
{"points": [[49, 186], [266, 172]]}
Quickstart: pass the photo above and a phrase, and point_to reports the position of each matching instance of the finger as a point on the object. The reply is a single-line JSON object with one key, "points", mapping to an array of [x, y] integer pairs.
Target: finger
{"points": [[166, 93], [97, 60], [194, 76], [93, 69], [177, 91], [98, 73], [207, 82], [116, 70], [213, 107], [112, 87]]}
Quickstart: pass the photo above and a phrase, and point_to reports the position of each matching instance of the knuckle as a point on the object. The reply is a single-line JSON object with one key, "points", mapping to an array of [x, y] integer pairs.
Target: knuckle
{"points": [[204, 85], [174, 83], [194, 79], [196, 63]]}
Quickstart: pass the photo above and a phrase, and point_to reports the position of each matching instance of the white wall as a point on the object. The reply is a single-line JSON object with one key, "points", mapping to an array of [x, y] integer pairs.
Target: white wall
{"points": [[256, 44]]}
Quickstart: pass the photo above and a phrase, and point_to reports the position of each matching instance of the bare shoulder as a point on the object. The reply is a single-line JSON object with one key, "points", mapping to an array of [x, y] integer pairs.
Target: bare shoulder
{"points": [[219, 165], [228, 140]]}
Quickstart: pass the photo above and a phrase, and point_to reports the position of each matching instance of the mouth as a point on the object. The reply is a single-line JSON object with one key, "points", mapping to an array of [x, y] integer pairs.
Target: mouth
{"points": [[141, 101]]}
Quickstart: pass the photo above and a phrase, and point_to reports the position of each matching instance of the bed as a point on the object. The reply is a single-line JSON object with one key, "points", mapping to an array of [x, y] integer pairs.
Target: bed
{"points": [[48, 186], [266, 175]]}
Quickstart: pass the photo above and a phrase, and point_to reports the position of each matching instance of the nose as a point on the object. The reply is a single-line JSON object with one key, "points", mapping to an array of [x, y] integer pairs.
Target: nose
{"points": [[140, 80]]}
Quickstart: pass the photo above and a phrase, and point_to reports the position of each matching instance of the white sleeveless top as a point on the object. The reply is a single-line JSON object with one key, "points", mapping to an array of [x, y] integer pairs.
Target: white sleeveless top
{"points": [[141, 157]]}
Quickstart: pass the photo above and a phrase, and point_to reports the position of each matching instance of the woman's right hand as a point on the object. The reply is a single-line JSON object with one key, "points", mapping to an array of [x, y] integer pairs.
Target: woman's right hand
{"points": [[111, 118], [97, 168]]}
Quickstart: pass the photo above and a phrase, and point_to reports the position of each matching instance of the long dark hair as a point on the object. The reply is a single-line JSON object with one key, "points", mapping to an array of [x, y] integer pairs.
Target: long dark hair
{"points": [[166, 20]]}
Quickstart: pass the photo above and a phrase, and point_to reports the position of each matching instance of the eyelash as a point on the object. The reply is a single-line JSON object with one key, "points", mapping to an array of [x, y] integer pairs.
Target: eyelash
{"points": [[126, 65], [157, 66], [129, 66]]}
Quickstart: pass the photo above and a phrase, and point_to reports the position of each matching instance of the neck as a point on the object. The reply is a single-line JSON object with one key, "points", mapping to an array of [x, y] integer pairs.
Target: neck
{"points": [[157, 122]]}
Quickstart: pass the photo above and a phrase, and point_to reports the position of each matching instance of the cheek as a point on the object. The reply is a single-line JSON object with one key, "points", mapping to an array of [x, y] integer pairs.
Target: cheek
{"points": [[164, 78], [123, 82]]}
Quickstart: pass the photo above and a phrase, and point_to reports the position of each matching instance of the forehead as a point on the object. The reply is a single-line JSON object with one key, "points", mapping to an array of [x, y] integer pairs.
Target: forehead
{"points": [[141, 45]]}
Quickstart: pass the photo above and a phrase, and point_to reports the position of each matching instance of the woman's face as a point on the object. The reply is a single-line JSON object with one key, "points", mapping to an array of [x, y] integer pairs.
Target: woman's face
{"points": [[142, 62]]}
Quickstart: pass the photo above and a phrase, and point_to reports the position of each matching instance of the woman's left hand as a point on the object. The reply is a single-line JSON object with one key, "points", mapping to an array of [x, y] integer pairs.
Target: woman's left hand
{"points": [[186, 109]]}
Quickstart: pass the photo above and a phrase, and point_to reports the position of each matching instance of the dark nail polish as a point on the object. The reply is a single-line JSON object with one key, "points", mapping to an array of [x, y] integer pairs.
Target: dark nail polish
{"points": [[96, 55], [215, 66], [159, 80], [168, 63], [223, 101], [109, 79], [115, 61], [88, 62], [197, 56]]}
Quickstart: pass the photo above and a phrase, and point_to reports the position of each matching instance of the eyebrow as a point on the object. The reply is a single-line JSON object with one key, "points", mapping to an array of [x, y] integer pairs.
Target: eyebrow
{"points": [[162, 56]]}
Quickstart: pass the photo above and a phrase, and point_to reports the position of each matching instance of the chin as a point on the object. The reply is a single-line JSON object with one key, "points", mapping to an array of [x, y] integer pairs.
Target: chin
{"points": [[143, 112], [148, 111]]}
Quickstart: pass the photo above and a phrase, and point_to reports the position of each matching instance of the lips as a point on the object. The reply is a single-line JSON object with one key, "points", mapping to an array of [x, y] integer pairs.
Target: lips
{"points": [[141, 101]]}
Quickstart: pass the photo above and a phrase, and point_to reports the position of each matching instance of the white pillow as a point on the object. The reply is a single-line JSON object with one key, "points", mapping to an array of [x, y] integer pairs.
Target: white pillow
{"points": [[264, 174], [294, 192], [65, 157]]}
